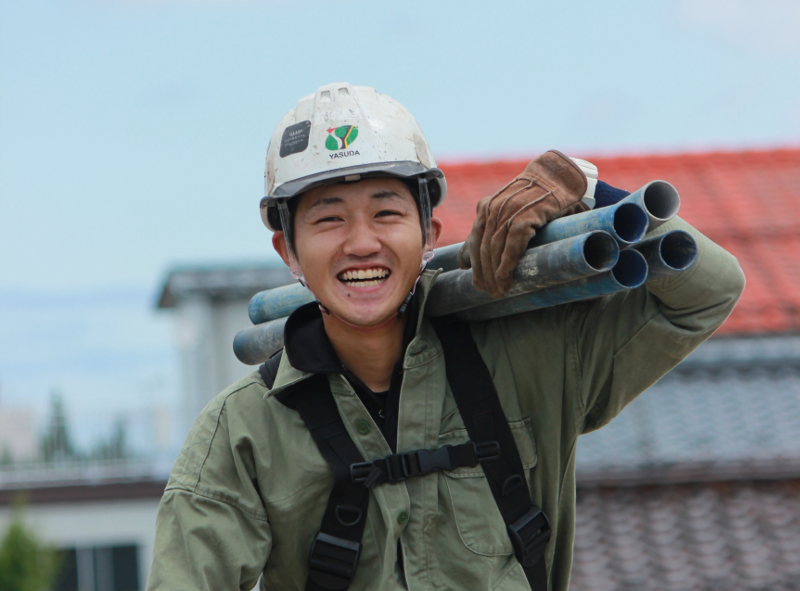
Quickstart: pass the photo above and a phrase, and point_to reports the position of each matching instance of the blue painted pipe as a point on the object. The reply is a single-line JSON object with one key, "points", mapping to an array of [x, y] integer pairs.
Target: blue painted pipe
{"points": [[277, 302], [281, 301], [540, 267], [626, 221], [577, 257], [623, 222], [256, 344], [668, 253], [445, 258], [659, 199], [629, 272]]}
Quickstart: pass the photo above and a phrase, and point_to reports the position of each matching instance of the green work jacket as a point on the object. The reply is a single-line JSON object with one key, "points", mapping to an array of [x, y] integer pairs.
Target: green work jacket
{"points": [[247, 494]]}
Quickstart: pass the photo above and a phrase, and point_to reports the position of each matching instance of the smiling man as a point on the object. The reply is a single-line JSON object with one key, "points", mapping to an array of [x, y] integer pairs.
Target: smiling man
{"points": [[380, 450], [361, 245]]}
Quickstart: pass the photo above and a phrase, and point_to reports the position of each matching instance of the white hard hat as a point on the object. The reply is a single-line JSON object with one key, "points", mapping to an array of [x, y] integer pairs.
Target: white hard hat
{"points": [[345, 133]]}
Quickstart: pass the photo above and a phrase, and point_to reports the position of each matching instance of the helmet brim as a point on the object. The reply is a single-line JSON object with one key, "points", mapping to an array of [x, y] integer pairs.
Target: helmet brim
{"points": [[402, 169]]}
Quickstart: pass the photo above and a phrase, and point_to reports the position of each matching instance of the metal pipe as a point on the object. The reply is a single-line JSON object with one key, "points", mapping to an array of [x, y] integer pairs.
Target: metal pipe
{"points": [[625, 221], [659, 199], [277, 302], [445, 258], [668, 253], [540, 267], [590, 254], [256, 344], [629, 272]]}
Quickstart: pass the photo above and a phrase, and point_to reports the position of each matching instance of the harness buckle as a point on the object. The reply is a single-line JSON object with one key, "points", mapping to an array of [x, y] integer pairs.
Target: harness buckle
{"points": [[486, 451], [360, 472], [431, 460], [401, 466], [333, 561], [529, 535]]}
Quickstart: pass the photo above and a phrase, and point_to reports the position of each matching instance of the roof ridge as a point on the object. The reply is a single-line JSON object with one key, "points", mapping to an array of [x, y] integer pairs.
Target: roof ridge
{"points": [[690, 154]]}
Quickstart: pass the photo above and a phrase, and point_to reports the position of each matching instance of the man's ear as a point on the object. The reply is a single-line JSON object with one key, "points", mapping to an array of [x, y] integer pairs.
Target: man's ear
{"points": [[436, 227], [279, 244]]}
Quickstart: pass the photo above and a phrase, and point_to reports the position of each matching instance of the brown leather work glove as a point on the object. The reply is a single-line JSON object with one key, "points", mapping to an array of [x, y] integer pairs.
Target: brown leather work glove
{"points": [[550, 187]]}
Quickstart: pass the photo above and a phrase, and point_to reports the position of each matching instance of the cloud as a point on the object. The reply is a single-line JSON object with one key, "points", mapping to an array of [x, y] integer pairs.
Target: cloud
{"points": [[764, 25]]}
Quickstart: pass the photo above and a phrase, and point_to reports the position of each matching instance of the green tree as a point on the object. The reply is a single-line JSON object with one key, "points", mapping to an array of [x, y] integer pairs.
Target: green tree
{"points": [[115, 447], [6, 459], [56, 444], [26, 564]]}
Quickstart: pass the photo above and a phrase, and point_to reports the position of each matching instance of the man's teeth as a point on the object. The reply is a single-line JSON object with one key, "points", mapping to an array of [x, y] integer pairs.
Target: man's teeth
{"points": [[368, 283], [365, 277]]}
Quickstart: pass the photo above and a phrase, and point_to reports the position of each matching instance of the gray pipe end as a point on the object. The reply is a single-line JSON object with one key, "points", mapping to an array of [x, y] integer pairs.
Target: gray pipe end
{"points": [[661, 200], [256, 344], [245, 351]]}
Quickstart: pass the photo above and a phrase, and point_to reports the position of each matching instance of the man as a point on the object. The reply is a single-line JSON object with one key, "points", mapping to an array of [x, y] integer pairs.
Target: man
{"points": [[325, 469]]}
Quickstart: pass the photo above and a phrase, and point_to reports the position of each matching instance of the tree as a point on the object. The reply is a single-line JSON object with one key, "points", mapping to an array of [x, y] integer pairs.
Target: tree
{"points": [[26, 564], [115, 447], [56, 443]]}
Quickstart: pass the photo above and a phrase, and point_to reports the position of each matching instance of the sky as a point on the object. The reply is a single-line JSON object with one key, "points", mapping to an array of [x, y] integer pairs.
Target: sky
{"points": [[133, 133]]}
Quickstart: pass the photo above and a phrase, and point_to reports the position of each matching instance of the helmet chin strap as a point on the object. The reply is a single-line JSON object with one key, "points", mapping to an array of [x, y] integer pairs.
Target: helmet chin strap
{"points": [[402, 309]]}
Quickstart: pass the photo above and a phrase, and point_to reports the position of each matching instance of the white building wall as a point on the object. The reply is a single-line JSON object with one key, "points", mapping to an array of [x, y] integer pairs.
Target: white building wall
{"points": [[96, 523], [17, 434], [229, 318], [204, 332]]}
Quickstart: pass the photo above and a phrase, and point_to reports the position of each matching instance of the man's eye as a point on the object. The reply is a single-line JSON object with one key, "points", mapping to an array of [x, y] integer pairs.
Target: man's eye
{"points": [[387, 212], [330, 218]]}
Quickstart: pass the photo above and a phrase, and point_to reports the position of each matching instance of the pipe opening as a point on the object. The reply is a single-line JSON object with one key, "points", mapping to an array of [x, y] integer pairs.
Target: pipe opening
{"points": [[630, 223], [678, 250], [631, 269], [600, 251], [661, 200]]}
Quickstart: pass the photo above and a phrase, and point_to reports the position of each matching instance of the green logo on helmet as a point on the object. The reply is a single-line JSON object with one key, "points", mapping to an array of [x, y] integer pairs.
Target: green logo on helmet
{"points": [[347, 134]]}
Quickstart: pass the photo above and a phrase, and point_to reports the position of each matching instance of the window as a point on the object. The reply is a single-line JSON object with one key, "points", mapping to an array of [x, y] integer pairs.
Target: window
{"points": [[101, 568]]}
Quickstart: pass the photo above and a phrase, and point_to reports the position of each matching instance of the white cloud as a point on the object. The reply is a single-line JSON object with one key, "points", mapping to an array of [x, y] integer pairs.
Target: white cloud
{"points": [[765, 25]]}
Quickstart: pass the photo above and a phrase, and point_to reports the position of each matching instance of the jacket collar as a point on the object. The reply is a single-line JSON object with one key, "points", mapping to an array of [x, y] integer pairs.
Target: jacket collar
{"points": [[305, 326]]}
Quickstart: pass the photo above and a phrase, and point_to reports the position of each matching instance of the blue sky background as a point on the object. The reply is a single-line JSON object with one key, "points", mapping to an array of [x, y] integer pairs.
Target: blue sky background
{"points": [[133, 134]]}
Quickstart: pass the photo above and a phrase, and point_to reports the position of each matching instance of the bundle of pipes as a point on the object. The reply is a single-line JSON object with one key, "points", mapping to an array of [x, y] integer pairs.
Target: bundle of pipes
{"points": [[579, 257]]}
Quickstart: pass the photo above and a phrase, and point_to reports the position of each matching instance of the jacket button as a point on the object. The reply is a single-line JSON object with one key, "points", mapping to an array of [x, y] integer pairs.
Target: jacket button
{"points": [[363, 427], [402, 517]]}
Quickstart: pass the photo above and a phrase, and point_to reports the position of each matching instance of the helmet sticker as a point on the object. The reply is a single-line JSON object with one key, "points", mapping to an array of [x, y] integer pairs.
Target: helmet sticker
{"points": [[295, 138], [346, 134]]}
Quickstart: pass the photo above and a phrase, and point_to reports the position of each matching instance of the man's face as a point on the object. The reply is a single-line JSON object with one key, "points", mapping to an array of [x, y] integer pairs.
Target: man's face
{"points": [[359, 246]]}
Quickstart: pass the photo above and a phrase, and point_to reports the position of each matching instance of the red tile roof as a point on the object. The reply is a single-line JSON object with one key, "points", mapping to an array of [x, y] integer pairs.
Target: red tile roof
{"points": [[748, 202]]}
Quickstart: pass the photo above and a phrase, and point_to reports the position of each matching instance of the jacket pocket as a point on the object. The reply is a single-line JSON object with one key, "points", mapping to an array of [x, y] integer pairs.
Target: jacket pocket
{"points": [[468, 496]]}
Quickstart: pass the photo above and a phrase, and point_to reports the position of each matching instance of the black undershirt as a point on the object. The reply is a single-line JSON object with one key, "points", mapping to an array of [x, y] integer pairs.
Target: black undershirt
{"points": [[309, 349]]}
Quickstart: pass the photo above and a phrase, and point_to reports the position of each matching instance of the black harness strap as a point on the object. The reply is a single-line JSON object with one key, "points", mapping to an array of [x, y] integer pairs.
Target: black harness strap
{"points": [[483, 416], [402, 466], [337, 547]]}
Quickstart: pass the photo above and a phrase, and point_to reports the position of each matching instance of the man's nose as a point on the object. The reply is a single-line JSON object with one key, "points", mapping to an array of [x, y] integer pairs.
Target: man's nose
{"points": [[362, 239]]}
